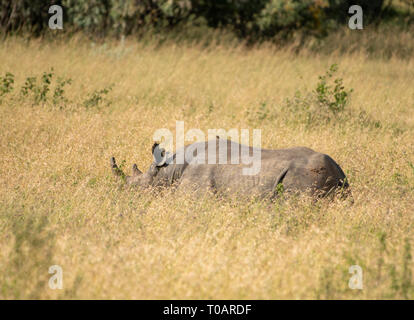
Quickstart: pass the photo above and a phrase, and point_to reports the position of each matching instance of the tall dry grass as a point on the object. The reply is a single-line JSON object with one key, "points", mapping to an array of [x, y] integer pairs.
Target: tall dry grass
{"points": [[60, 205]]}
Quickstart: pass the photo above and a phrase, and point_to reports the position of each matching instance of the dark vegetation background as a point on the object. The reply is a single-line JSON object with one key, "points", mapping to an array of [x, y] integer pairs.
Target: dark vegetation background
{"points": [[253, 20], [319, 25]]}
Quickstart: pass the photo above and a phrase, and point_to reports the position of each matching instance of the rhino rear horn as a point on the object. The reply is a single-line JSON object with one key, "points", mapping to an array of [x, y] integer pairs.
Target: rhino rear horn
{"points": [[135, 170]]}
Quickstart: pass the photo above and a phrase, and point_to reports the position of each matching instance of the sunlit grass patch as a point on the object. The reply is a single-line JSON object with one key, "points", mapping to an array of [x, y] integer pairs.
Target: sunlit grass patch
{"points": [[59, 203]]}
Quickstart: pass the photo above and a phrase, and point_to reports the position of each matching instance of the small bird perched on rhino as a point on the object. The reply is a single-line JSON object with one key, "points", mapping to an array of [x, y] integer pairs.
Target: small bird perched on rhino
{"points": [[203, 169]]}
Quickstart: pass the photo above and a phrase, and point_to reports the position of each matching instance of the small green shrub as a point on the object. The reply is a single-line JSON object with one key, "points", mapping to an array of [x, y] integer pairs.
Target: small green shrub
{"points": [[264, 112], [97, 97], [280, 189], [332, 96], [44, 88], [325, 103], [38, 90], [29, 86], [58, 94], [6, 83]]}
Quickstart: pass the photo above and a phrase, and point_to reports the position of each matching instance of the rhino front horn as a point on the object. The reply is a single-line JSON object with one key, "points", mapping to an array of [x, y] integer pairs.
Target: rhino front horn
{"points": [[116, 171]]}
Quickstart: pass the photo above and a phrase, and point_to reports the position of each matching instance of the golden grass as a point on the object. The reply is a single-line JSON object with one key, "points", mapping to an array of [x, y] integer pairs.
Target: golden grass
{"points": [[114, 243]]}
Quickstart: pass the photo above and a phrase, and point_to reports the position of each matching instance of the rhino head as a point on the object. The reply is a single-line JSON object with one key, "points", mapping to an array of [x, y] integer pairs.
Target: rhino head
{"points": [[138, 178]]}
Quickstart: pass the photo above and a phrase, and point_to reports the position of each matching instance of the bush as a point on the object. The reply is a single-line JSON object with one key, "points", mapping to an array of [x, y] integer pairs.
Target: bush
{"points": [[6, 83], [38, 90], [286, 16], [325, 103], [125, 17], [334, 98], [24, 15], [97, 97], [253, 20]]}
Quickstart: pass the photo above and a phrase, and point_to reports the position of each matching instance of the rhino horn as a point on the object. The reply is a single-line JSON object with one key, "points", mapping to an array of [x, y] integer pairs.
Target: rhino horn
{"points": [[135, 170], [115, 170]]}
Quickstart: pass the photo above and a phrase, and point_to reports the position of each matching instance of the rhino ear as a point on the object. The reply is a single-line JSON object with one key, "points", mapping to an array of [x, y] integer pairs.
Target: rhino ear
{"points": [[159, 154], [155, 145]]}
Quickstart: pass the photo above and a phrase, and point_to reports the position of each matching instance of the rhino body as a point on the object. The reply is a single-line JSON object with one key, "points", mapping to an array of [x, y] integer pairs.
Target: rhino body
{"points": [[297, 169]]}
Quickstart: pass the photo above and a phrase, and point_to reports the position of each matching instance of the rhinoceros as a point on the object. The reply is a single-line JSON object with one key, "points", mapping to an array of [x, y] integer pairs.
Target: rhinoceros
{"points": [[297, 169]]}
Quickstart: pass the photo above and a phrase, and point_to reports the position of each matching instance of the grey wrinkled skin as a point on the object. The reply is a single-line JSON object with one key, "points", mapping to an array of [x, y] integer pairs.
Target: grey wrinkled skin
{"points": [[297, 169]]}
